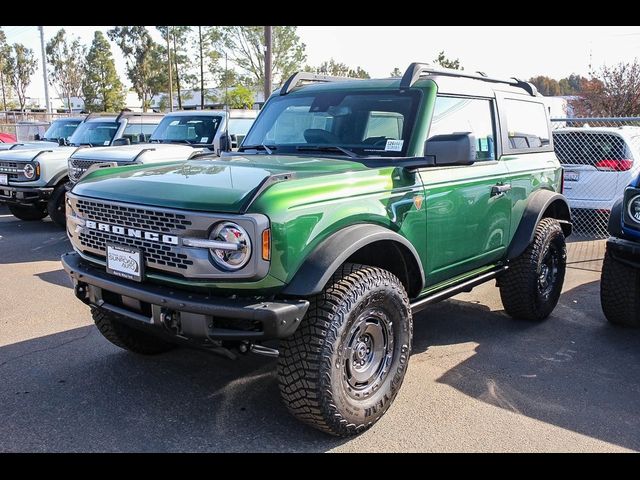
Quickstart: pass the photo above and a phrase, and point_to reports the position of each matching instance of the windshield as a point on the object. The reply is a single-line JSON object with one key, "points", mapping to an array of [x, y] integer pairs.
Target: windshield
{"points": [[60, 129], [194, 130], [365, 122], [94, 133], [240, 126]]}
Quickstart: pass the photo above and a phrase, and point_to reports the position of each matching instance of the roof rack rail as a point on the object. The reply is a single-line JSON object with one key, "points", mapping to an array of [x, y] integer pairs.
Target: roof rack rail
{"points": [[415, 71], [298, 77]]}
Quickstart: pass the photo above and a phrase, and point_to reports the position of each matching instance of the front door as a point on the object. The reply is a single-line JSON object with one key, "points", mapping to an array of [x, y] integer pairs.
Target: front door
{"points": [[468, 209]]}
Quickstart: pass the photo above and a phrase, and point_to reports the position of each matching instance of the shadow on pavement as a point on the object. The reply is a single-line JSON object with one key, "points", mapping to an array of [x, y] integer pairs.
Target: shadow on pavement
{"points": [[36, 241], [573, 370], [73, 391]]}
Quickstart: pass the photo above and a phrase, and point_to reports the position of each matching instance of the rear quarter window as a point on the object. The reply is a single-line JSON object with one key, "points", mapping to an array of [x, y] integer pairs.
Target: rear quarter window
{"points": [[527, 127]]}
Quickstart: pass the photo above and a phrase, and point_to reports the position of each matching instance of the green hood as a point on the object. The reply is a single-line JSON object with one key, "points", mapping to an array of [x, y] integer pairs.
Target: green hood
{"points": [[222, 185]]}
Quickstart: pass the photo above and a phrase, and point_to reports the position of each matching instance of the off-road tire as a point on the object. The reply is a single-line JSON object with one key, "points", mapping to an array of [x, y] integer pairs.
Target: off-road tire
{"points": [[28, 213], [620, 292], [124, 336], [56, 206], [520, 286], [316, 369]]}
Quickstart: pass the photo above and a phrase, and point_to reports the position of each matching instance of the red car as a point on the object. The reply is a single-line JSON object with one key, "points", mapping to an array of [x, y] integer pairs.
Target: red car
{"points": [[7, 138]]}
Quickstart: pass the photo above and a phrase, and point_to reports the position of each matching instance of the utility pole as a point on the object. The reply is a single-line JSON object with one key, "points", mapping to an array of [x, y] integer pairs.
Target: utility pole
{"points": [[44, 71], [170, 70], [267, 62], [201, 70]]}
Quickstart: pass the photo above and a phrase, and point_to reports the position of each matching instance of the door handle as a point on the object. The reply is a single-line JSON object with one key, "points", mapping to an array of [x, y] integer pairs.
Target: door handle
{"points": [[500, 189]]}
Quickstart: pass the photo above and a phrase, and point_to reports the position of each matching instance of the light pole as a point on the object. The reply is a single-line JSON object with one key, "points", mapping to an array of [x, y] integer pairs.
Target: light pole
{"points": [[267, 62], [170, 70], [44, 71]]}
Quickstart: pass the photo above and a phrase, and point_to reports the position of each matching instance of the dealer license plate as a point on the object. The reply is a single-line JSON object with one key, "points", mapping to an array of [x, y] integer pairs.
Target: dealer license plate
{"points": [[4, 179], [570, 176], [125, 262]]}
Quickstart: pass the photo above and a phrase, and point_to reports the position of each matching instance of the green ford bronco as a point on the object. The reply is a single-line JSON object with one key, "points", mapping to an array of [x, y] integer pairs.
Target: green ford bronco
{"points": [[350, 206]]}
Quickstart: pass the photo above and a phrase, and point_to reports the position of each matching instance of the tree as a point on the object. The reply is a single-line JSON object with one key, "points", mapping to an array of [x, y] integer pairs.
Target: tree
{"points": [[396, 72], [20, 68], [245, 45], [611, 92], [67, 60], [443, 61], [180, 61], [144, 58], [101, 86], [337, 69], [240, 97], [545, 85], [5, 82]]}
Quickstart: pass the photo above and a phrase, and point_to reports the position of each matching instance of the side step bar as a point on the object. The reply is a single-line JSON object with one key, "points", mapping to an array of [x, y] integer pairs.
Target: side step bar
{"points": [[465, 286]]}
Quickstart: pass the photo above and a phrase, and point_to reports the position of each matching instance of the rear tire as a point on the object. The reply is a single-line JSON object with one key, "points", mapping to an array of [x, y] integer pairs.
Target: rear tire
{"points": [[531, 287], [28, 213], [56, 206], [124, 336], [620, 292], [342, 368]]}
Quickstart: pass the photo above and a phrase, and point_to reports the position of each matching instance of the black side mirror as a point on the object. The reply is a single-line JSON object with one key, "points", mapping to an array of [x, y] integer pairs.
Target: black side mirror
{"points": [[451, 149], [121, 141], [36, 136]]}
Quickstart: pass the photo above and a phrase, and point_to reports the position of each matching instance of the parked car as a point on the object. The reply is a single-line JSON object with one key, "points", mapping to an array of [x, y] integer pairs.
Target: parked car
{"points": [[599, 162], [620, 280], [57, 134], [350, 206], [197, 131], [32, 182], [6, 138]]}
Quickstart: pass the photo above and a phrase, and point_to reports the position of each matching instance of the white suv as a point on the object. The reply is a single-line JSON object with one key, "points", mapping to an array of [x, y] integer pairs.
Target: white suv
{"points": [[598, 162]]}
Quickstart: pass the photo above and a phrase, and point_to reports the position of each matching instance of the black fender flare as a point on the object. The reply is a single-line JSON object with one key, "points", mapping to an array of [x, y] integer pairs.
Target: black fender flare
{"points": [[322, 263], [539, 203], [58, 178], [614, 225]]}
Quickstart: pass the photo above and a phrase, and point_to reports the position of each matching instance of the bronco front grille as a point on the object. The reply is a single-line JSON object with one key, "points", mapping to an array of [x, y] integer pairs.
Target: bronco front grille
{"points": [[78, 167], [11, 169], [155, 254], [144, 219]]}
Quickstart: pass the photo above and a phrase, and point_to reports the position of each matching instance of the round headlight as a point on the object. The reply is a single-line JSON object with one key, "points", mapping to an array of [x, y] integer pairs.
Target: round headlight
{"points": [[633, 208], [29, 171], [232, 233]]}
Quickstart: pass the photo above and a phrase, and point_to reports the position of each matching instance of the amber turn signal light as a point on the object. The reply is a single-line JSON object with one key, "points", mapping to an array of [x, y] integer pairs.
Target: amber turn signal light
{"points": [[266, 244]]}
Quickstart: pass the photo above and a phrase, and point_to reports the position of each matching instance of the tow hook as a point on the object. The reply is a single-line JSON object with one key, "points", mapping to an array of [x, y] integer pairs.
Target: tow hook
{"points": [[245, 347]]}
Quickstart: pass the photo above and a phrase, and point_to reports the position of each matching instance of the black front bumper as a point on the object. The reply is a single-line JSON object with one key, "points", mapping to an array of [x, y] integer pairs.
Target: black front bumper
{"points": [[188, 316], [624, 251], [25, 196]]}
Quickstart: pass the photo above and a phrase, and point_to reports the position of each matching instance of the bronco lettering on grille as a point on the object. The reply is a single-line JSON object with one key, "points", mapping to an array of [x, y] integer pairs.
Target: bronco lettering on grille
{"points": [[132, 232]]}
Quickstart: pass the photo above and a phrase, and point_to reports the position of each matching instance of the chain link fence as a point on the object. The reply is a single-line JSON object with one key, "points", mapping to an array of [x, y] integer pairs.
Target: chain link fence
{"points": [[600, 157], [24, 125]]}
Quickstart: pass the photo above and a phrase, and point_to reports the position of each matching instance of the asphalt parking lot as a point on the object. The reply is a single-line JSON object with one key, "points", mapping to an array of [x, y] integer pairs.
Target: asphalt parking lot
{"points": [[477, 380]]}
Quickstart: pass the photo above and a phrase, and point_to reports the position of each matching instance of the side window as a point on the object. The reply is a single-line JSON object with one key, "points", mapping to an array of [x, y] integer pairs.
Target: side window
{"points": [[138, 132], [474, 115], [527, 126]]}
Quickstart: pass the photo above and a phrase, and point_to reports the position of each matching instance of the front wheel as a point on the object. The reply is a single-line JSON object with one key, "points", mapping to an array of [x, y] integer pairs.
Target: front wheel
{"points": [[531, 286], [620, 292], [56, 206], [28, 213], [341, 370]]}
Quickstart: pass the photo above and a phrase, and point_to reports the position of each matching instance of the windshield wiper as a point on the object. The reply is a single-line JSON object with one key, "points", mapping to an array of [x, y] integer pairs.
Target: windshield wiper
{"points": [[327, 148], [269, 149]]}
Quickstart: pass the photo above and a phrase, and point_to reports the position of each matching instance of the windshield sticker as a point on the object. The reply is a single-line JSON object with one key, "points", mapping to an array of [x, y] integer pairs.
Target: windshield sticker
{"points": [[204, 139], [393, 146], [106, 142]]}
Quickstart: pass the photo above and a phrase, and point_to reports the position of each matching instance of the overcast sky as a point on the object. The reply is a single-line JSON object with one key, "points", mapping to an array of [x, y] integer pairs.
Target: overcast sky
{"points": [[499, 51]]}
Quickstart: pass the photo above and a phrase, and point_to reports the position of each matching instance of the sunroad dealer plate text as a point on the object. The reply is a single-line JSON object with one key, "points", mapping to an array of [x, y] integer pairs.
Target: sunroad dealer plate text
{"points": [[124, 262]]}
